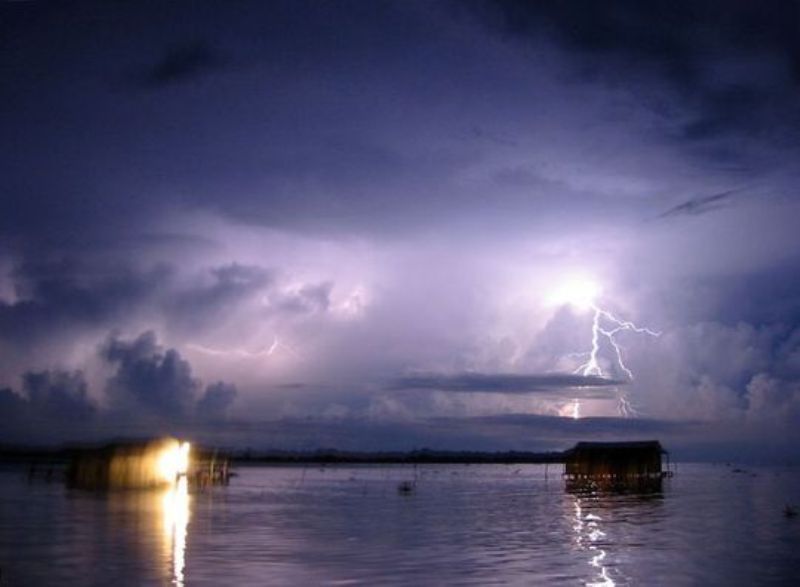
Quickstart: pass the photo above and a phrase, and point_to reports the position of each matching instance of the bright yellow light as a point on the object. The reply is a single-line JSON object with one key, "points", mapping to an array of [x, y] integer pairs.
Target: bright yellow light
{"points": [[578, 292], [173, 461], [175, 508]]}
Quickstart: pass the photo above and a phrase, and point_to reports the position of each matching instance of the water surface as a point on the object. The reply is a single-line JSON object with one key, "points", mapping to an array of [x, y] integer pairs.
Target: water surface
{"points": [[348, 525]]}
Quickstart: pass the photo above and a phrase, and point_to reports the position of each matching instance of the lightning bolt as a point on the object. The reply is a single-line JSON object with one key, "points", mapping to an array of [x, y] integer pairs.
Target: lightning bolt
{"points": [[266, 351], [606, 325]]}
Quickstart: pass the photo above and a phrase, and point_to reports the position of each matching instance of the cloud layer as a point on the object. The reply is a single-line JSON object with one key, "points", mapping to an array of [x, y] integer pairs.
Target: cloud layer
{"points": [[311, 201], [150, 390], [501, 383]]}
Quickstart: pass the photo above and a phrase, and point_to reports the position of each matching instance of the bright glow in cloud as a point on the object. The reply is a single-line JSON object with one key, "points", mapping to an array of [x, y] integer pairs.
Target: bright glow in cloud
{"points": [[582, 293], [578, 292], [353, 306]]}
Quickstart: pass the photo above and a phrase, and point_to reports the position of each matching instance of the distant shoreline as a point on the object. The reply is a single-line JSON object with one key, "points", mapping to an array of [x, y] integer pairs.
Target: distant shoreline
{"points": [[23, 454], [415, 457]]}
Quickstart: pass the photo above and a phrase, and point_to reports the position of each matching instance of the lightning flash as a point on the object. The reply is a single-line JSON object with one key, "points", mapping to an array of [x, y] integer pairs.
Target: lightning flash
{"points": [[582, 295], [266, 351], [592, 366]]}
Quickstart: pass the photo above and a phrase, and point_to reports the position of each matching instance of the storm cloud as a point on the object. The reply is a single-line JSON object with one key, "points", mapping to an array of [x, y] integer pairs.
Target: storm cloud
{"points": [[51, 405], [304, 206], [700, 205], [181, 63], [501, 383], [158, 383], [149, 377], [150, 389]]}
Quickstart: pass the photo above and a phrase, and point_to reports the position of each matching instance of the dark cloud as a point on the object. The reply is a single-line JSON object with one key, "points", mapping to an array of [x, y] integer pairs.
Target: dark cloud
{"points": [[68, 295], [309, 298], [395, 187], [722, 110], [148, 378], [151, 390], [292, 385], [700, 205], [155, 383], [184, 62], [230, 286], [733, 68], [233, 278], [58, 394], [675, 36], [608, 427], [503, 383], [216, 401], [652, 33], [769, 295], [324, 152], [13, 415], [53, 404]]}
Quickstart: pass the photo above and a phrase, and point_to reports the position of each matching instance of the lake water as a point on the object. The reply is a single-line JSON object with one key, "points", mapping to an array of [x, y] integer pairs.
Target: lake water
{"points": [[347, 525]]}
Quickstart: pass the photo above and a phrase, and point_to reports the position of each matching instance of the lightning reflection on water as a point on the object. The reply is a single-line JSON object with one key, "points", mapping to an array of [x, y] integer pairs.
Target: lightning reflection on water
{"points": [[589, 536]]}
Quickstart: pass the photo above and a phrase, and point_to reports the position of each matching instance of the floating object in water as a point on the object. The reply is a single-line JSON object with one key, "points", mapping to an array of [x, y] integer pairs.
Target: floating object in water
{"points": [[789, 511], [406, 487]]}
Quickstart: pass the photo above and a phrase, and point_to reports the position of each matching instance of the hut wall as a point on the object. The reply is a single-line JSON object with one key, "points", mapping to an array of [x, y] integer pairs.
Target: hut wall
{"points": [[118, 466], [615, 461]]}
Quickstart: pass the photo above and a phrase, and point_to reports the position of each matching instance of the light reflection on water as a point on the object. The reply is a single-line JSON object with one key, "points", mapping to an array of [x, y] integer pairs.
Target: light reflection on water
{"points": [[588, 536], [175, 512], [463, 525]]}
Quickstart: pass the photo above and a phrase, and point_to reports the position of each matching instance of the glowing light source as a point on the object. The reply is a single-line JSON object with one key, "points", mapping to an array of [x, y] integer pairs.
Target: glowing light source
{"points": [[173, 461], [579, 292], [582, 293]]}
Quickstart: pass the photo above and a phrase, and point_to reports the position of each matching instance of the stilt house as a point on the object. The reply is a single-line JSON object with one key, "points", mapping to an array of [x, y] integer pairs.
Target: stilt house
{"points": [[615, 464]]}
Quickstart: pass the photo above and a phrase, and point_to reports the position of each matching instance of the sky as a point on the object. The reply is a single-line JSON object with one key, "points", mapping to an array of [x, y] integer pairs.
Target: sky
{"points": [[391, 225]]}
